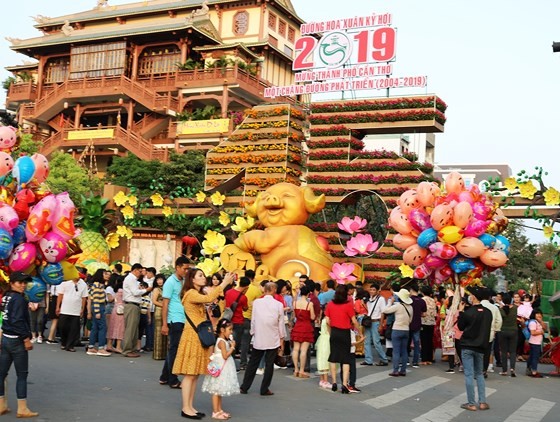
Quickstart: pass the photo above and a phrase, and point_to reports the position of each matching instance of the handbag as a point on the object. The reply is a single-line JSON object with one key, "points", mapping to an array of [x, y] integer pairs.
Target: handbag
{"points": [[214, 368], [229, 311], [366, 320], [388, 332], [215, 310], [205, 332], [120, 309]]}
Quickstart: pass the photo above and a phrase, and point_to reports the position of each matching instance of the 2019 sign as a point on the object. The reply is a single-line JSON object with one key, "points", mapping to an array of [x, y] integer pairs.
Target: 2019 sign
{"points": [[335, 49]]}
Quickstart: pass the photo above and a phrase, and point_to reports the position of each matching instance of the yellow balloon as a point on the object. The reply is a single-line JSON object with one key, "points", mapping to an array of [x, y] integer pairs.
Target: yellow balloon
{"points": [[450, 234]]}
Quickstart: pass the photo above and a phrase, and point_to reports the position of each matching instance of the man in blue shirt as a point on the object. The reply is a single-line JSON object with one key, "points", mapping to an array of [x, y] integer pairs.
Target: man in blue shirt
{"points": [[326, 297], [173, 319]]}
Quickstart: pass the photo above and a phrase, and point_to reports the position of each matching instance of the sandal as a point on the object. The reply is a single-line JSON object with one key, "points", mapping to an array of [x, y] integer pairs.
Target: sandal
{"points": [[219, 416], [468, 406], [162, 382], [227, 415], [177, 386], [303, 375], [503, 373], [483, 406], [296, 374]]}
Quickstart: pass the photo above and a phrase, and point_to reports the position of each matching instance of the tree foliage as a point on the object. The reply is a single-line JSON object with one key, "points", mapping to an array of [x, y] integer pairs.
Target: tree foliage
{"points": [[26, 145]]}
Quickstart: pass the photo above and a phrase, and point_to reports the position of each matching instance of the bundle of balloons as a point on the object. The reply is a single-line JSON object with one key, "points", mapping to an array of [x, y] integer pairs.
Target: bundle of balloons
{"points": [[36, 226], [450, 234]]}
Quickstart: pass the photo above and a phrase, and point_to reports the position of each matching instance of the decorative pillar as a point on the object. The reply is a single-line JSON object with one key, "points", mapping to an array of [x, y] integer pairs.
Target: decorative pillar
{"points": [[135, 54], [77, 115], [40, 73], [130, 118], [225, 100], [184, 50]]}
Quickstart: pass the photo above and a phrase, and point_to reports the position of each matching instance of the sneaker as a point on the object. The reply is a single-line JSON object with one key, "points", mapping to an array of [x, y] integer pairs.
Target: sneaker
{"points": [[364, 363], [40, 340], [91, 351], [33, 340], [415, 365], [461, 368], [490, 368], [260, 371], [352, 389], [450, 371], [103, 352], [51, 341]]}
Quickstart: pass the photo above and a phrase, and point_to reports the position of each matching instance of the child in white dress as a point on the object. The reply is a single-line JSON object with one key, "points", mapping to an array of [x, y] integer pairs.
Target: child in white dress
{"points": [[323, 348], [226, 383]]}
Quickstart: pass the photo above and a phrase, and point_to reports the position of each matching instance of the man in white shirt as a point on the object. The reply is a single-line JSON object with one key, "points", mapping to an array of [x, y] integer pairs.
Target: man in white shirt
{"points": [[268, 330], [495, 328], [132, 297], [375, 305], [70, 304]]}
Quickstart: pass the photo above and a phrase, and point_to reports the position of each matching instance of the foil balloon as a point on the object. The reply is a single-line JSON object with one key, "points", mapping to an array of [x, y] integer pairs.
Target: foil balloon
{"points": [[502, 244], [6, 195], [408, 200], [427, 193], [41, 167], [40, 218], [462, 214], [22, 256], [8, 218], [35, 290], [19, 233], [466, 196], [24, 169], [63, 217], [6, 164], [454, 183], [403, 241], [24, 198], [443, 250], [427, 237], [419, 219], [494, 258], [52, 273], [488, 240], [8, 138], [450, 234], [461, 264], [399, 221], [432, 261], [476, 227], [441, 216], [422, 272], [443, 273], [414, 255], [497, 225], [6, 244], [471, 247], [53, 247], [481, 210]]}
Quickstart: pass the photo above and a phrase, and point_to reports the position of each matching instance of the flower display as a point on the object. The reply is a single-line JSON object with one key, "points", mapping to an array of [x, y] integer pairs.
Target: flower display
{"points": [[224, 219], [361, 244], [157, 200], [397, 116], [548, 232], [551, 197], [121, 231], [226, 149], [510, 183], [380, 104], [120, 199], [351, 143], [213, 243], [342, 273], [127, 212], [133, 200], [527, 190], [252, 136], [217, 199], [352, 225], [112, 240], [243, 224], [406, 271], [209, 266], [200, 197], [380, 166], [167, 211], [366, 178]]}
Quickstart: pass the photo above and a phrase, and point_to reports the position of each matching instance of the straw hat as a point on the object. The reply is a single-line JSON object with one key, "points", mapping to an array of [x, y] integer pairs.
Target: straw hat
{"points": [[404, 296]]}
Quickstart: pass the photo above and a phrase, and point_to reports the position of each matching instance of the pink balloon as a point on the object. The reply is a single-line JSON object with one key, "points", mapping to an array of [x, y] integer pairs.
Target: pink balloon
{"points": [[408, 200], [6, 163], [422, 272], [414, 255], [9, 219], [427, 193], [40, 218], [475, 228], [8, 137], [22, 256], [442, 216], [466, 196], [442, 274], [462, 213], [41, 167], [494, 258], [454, 182], [403, 241], [399, 221], [63, 217], [481, 210], [432, 261], [53, 247], [419, 219], [471, 247], [443, 250]]}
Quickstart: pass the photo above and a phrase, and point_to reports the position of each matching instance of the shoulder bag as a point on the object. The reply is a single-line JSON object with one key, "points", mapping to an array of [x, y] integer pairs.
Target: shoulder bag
{"points": [[229, 311], [205, 332], [366, 320]]}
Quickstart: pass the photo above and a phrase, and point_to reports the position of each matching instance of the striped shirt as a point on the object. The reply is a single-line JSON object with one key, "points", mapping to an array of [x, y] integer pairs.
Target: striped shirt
{"points": [[97, 297]]}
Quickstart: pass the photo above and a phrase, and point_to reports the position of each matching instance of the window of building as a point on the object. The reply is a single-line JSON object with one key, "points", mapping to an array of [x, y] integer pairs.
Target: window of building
{"points": [[288, 51], [241, 23], [156, 60], [93, 61], [56, 70], [272, 21], [291, 34], [273, 41], [282, 28]]}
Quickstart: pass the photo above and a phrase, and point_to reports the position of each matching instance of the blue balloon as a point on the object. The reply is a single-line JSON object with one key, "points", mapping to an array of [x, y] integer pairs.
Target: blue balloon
{"points": [[461, 264], [24, 169], [427, 237], [488, 240], [52, 273], [19, 234], [35, 290], [502, 244], [6, 244]]}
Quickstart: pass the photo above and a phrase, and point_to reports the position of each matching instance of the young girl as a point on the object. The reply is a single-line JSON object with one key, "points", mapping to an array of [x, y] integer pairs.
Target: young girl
{"points": [[323, 350], [226, 383]]}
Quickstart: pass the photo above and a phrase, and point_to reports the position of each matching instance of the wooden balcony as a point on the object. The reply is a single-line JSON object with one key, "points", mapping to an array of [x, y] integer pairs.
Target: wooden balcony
{"points": [[106, 136], [22, 92]]}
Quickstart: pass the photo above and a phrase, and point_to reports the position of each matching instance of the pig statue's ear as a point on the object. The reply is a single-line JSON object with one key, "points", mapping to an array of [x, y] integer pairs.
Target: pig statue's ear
{"points": [[313, 203], [252, 208]]}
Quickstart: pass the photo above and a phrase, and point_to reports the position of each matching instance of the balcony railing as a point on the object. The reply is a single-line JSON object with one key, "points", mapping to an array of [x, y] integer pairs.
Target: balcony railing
{"points": [[23, 91]]}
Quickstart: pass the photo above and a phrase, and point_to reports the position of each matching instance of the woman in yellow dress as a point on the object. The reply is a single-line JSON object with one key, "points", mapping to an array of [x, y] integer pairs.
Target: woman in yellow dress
{"points": [[192, 359], [160, 341]]}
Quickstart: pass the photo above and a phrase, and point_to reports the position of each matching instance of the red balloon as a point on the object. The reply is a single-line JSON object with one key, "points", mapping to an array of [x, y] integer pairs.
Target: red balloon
{"points": [[550, 265]]}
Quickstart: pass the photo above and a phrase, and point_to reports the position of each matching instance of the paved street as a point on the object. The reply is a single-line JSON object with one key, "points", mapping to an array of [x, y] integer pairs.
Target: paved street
{"points": [[75, 387]]}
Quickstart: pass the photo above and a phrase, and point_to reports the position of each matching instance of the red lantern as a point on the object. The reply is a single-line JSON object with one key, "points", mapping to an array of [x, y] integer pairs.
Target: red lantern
{"points": [[550, 265], [190, 241]]}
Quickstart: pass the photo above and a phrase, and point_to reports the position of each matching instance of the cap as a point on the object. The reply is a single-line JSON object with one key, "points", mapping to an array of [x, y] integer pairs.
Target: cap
{"points": [[20, 276]]}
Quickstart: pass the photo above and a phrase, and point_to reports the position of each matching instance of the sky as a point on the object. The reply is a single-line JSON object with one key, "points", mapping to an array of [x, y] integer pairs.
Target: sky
{"points": [[491, 61]]}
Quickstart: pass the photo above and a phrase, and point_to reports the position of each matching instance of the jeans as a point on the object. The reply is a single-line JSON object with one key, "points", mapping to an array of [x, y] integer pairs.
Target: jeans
{"points": [[414, 338], [472, 366], [98, 330], [150, 333], [372, 333], [14, 351], [508, 344], [400, 355], [175, 331], [534, 356], [36, 318]]}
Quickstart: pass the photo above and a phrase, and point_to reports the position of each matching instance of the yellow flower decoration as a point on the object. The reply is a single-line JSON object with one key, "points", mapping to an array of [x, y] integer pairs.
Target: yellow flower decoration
{"points": [[217, 199], [112, 240], [133, 200], [243, 224], [167, 211], [209, 266], [406, 271], [527, 190], [552, 197], [200, 196], [127, 212], [548, 232], [121, 231], [128, 233], [214, 243], [224, 219], [120, 199], [510, 183], [157, 200]]}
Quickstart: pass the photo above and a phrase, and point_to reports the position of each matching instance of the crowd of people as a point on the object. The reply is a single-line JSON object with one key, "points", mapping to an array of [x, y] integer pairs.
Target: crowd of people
{"points": [[262, 326]]}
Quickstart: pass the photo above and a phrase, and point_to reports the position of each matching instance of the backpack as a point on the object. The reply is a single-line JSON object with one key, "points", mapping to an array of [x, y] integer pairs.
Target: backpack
{"points": [[525, 329]]}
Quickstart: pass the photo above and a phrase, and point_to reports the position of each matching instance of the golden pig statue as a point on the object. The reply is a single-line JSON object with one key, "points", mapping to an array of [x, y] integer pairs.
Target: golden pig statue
{"points": [[287, 248]]}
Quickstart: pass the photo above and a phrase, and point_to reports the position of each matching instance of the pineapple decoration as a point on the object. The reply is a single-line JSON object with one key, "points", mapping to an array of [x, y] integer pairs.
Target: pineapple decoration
{"points": [[94, 217]]}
